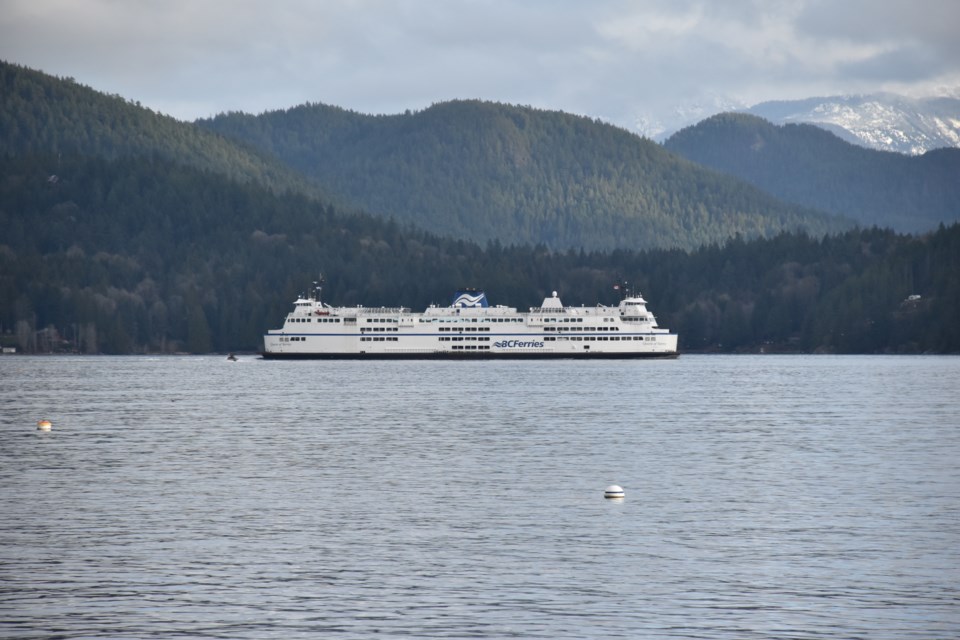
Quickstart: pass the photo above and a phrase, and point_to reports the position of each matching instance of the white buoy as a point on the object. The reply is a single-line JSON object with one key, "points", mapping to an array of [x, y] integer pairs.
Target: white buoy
{"points": [[44, 425], [613, 491]]}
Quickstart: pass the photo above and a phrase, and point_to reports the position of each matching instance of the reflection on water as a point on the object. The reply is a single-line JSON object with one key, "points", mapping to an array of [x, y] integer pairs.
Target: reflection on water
{"points": [[765, 497]]}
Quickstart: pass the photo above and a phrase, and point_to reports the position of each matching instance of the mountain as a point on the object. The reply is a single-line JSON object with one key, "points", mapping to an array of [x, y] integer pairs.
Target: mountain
{"points": [[465, 169], [43, 114], [806, 165], [660, 125], [883, 121], [487, 171], [127, 232], [144, 255]]}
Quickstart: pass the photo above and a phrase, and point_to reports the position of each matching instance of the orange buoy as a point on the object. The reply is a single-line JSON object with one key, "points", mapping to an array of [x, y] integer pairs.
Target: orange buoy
{"points": [[44, 425]]}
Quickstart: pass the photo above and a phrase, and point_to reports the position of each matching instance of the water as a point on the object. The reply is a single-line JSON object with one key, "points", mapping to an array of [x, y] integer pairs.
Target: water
{"points": [[766, 496]]}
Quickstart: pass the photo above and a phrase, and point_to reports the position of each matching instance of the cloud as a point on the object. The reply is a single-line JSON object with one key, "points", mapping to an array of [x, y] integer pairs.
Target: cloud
{"points": [[903, 64], [899, 42], [617, 59]]}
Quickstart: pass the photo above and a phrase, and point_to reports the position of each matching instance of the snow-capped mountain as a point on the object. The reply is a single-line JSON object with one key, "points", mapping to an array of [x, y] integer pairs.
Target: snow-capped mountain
{"points": [[660, 125], [882, 121]]}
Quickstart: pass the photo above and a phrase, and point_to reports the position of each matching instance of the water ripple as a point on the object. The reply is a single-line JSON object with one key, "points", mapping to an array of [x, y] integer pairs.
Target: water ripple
{"points": [[789, 497]]}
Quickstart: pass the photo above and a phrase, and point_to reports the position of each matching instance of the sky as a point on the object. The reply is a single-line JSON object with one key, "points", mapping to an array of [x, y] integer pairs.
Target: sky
{"points": [[644, 65]]}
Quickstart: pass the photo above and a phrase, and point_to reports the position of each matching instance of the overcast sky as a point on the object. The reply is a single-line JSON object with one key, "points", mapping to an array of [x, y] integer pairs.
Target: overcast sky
{"points": [[626, 62]]}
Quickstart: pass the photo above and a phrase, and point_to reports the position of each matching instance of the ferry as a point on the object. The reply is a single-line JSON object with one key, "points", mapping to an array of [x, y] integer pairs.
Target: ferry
{"points": [[470, 328]]}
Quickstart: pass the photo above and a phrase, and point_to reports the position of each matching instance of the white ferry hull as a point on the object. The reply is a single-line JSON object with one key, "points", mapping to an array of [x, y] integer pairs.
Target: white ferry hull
{"points": [[466, 355], [463, 332]]}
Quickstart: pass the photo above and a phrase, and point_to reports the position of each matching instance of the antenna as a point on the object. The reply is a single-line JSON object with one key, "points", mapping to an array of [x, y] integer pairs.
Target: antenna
{"points": [[318, 285]]}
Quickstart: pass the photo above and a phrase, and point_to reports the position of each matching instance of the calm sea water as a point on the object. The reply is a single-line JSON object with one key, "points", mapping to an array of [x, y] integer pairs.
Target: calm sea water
{"points": [[766, 496]]}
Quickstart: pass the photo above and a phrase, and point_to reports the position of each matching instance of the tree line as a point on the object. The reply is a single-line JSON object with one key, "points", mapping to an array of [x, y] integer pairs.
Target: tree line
{"points": [[144, 255]]}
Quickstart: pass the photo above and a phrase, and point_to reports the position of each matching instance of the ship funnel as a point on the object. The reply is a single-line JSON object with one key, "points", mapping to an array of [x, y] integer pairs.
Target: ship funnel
{"points": [[470, 298]]}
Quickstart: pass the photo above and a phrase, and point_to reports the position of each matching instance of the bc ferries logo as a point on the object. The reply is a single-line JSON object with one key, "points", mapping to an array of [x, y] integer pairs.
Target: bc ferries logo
{"points": [[470, 299], [518, 344]]}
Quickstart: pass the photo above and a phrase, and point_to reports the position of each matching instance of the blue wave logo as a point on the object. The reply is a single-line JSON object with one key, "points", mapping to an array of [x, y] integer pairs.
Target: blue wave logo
{"points": [[470, 299]]}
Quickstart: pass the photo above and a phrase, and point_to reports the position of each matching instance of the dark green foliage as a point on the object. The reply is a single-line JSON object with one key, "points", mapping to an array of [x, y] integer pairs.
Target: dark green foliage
{"points": [[143, 255], [122, 231], [811, 167], [41, 114], [517, 175]]}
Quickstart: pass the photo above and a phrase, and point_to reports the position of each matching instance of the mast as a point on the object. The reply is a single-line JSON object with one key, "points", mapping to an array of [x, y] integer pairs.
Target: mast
{"points": [[622, 287], [318, 288]]}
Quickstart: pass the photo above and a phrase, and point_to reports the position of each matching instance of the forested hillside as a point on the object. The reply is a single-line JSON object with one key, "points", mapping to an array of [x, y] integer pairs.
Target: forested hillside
{"points": [[518, 175], [147, 256], [42, 114], [123, 231], [803, 164]]}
